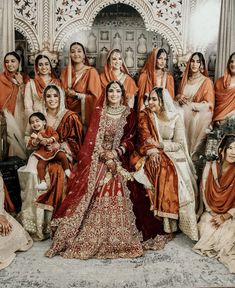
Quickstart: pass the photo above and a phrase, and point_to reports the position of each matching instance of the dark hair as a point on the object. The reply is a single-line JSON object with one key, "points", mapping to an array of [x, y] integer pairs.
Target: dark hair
{"points": [[120, 85], [39, 57], [51, 86], [224, 144], [160, 51], [39, 115], [201, 58], [159, 92], [229, 60], [80, 44], [13, 53]]}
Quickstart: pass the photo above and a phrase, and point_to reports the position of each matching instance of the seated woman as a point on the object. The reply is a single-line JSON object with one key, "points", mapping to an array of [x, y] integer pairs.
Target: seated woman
{"points": [[96, 219], [12, 85], [196, 97], [37, 206], [115, 69], [225, 93], [166, 169], [12, 236], [81, 83], [153, 74], [217, 224], [44, 75]]}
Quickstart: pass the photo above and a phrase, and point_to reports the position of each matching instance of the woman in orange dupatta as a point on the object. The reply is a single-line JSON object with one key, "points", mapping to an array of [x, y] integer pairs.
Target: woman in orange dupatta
{"points": [[153, 74], [217, 224], [44, 75], [196, 97], [81, 83], [115, 69], [37, 206], [225, 93], [167, 171], [12, 85]]}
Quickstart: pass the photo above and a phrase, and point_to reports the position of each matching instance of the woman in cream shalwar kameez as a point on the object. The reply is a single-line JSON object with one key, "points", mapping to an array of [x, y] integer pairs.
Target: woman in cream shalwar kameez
{"points": [[217, 224], [168, 125], [196, 97]]}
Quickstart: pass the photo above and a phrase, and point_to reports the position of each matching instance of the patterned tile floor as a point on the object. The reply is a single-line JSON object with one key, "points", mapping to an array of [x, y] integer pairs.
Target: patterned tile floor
{"points": [[175, 266]]}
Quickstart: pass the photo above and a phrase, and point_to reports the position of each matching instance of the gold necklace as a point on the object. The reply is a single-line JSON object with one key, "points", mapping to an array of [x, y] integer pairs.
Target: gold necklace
{"points": [[115, 110]]}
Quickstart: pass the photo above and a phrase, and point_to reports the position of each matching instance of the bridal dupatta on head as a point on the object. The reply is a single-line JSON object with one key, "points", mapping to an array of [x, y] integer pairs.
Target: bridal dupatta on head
{"points": [[96, 217]]}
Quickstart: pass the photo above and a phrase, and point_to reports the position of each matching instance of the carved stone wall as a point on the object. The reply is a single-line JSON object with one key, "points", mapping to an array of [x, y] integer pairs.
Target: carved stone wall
{"points": [[47, 25], [124, 30]]}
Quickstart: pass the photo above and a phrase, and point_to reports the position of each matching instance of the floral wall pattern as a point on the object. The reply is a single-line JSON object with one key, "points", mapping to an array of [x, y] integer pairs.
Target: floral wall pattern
{"points": [[169, 11], [27, 10], [66, 10]]}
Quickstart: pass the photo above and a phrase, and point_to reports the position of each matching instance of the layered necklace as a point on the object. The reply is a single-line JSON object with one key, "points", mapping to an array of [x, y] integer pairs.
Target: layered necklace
{"points": [[115, 110]]}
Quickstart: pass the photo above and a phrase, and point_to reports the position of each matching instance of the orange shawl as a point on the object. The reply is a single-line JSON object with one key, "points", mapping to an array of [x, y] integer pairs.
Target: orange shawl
{"points": [[163, 177], [148, 79], [220, 192], [108, 76], [9, 91], [88, 84], [224, 97], [204, 93]]}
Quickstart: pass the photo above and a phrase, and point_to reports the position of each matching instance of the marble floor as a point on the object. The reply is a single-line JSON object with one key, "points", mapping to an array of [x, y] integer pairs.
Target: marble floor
{"points": [[175, 266]]}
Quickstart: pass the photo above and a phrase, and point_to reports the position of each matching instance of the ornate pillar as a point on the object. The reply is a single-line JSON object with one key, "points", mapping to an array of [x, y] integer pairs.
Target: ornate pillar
{"points": [[7, 33], [46, 32], [226, 41]]}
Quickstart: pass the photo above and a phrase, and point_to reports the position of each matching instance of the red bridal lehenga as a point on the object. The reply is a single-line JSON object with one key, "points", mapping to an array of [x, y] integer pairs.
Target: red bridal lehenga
{"points": [[96, 219]]}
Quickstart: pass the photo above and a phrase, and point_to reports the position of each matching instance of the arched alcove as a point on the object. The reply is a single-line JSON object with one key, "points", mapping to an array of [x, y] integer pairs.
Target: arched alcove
{"points": [[119, 26], [22, 48], [85, 20]]}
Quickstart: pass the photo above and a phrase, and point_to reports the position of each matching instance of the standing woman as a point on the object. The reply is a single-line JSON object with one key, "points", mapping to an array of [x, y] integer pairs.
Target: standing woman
{"points": [[44, 75], [81, 83], [225, 93], [37, 206], [196, 96], [153, 74], [12, 85], [217, 223], [115, 69]]}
